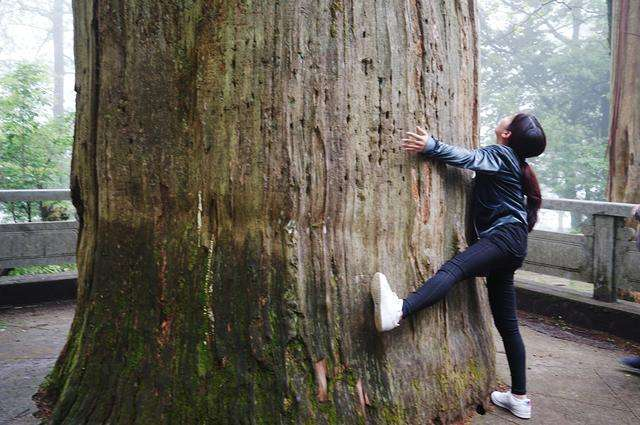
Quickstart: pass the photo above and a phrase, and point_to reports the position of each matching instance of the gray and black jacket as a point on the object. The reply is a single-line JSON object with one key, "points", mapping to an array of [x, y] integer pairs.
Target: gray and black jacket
{"points": [[498, 197]]}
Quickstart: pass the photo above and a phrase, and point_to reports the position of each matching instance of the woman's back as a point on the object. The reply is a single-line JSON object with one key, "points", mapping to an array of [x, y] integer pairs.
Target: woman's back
{"points": [[498, 196]]}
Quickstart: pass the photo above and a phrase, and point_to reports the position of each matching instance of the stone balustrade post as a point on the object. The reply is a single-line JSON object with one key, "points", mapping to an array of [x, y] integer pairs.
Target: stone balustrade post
{"points": [[604, 264]]}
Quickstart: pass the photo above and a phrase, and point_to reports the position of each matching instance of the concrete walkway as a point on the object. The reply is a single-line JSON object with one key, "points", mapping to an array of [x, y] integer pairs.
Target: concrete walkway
{"points": [[572, 378], [30, 340]]}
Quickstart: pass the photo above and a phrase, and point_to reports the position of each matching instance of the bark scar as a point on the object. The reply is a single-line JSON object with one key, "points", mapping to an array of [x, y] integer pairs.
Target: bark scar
{"points": [[363, 398], [321, 379]]}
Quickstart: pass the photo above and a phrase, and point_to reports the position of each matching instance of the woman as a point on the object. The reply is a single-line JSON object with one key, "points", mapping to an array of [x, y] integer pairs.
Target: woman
{"points": [[502, 220]]}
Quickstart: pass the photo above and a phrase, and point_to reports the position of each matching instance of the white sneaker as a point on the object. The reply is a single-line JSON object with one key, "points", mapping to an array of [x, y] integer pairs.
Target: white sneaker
{"points": [[387, 305], [519, 407]]}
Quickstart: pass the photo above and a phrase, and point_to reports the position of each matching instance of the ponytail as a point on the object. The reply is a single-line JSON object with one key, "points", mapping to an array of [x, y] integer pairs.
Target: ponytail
{"points": [[531, 189], [527, 140]]}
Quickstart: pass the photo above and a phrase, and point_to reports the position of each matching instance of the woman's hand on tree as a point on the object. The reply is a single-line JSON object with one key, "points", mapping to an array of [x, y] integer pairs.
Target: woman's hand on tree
{"points": [[416, 142]]}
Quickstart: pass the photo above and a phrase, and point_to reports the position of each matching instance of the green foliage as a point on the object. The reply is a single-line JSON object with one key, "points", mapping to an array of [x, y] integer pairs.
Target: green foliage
{"points": [[551, 58], [35, 148]]}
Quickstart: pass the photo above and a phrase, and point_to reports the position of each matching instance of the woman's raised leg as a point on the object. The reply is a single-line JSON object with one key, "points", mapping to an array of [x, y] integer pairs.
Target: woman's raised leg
{"points": [[478, 259]]}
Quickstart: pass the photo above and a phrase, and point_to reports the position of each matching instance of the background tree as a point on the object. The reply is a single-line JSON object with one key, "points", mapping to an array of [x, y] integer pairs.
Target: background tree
{"points": [[35, 149], [551, 57], [238, 178], [33, 97], [40, 22], [624, 138]]}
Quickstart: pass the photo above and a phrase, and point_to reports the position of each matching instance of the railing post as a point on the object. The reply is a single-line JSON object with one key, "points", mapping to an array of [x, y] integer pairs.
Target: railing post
{"points": [[604, 245]]}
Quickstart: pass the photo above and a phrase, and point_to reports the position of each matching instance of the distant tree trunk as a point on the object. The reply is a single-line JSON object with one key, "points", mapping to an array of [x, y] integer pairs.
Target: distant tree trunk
{"points": [[55, 14], [238, 178], [57, 30], [577, 20], [624, 130]]}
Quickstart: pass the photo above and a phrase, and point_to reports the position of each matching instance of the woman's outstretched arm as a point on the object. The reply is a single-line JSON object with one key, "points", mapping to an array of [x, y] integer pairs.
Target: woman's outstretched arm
{"points": [[483, 159]]}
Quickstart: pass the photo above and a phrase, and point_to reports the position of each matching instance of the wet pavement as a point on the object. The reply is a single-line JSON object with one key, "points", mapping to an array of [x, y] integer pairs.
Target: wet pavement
{"points": [[30, 340], [573, 376]]}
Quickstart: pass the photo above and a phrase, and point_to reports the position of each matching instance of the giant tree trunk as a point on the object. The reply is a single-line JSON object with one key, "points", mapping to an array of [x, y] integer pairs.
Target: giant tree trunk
{"points": [[624, 133], [239, 180]]}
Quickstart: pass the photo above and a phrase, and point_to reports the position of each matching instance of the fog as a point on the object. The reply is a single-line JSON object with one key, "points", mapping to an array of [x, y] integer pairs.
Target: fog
{"points": [[549, 57]]}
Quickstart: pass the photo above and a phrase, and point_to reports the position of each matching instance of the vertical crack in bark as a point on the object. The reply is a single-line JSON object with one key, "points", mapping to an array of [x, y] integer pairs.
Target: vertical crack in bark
{"points": [[380, 83], [418, 6], [95, 104], [80, 320], [475, 51]]}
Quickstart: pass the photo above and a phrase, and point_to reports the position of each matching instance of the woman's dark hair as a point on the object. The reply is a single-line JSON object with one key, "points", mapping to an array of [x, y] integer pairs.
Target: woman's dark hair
{"points": [[528, 139]]}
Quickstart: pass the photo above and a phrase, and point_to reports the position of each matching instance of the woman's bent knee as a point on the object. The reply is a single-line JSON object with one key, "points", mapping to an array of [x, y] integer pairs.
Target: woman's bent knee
{"points": [[508, 330]]}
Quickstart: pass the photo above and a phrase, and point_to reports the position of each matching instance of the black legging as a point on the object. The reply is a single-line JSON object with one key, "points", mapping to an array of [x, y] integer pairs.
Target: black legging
{"points": [[497, 257]]}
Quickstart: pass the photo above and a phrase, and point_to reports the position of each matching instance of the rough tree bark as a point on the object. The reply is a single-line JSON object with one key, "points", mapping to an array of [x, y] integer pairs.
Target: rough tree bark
{"points": [[624, 129], [238, 177]]}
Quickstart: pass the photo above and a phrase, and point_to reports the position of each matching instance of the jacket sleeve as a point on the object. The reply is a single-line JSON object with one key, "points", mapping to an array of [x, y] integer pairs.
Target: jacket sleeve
{"points": [[484, 159]]}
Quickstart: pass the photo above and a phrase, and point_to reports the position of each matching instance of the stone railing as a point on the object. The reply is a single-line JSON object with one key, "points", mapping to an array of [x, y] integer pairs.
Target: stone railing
{"points": [[604, 253], [37, 243]]}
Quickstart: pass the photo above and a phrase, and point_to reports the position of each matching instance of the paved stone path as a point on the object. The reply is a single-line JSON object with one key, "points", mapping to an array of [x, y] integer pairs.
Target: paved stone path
{"points": [[30, 340], [572, 380]]}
